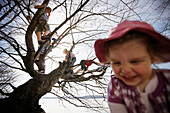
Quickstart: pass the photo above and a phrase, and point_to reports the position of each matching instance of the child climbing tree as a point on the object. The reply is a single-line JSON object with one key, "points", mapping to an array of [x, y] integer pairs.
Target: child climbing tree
{"points": [[42, 24]]}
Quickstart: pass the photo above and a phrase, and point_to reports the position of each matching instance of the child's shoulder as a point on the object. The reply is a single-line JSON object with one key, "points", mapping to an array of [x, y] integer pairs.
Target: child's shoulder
{"points": [[164, 73], [162, 70]]}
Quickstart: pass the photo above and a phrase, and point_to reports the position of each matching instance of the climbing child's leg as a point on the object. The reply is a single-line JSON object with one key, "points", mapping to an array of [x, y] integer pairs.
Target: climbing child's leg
{"points": [[38, 35], [46, 33]]}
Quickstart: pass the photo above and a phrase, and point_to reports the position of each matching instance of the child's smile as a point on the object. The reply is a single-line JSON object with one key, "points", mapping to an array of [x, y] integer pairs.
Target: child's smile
{"points": [[130, 78], [131, 63]]}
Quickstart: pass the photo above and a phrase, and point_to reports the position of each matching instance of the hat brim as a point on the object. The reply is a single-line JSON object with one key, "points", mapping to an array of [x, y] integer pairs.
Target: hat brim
{"points": [[100, 43]]}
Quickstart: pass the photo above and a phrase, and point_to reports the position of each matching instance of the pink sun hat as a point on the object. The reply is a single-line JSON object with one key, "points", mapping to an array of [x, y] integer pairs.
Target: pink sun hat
{"points": [[125, 27]]}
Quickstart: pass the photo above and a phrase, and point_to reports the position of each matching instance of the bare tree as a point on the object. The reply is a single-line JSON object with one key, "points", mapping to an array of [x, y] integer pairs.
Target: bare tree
{"points": [[83, 21], [6, 79]]}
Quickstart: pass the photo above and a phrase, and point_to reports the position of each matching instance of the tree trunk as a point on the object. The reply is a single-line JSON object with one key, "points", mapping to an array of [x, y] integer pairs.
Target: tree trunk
{"points": [[25, 98]]}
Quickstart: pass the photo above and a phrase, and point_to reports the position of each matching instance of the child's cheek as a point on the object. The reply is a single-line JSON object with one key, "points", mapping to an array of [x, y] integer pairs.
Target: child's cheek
{"points": [[115, 70]]}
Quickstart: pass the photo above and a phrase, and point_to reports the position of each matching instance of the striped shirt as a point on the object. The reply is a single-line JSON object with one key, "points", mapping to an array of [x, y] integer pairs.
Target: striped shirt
{"points": [[131, 100]]}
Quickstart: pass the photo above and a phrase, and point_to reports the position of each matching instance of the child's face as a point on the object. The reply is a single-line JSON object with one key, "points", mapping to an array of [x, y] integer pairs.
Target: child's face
{"points": [[48, 11], [131, 63], [67, 53]]}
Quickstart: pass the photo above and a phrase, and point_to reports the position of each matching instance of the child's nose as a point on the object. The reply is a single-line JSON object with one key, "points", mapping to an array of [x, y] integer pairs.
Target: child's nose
{"points": [[125, 69]]}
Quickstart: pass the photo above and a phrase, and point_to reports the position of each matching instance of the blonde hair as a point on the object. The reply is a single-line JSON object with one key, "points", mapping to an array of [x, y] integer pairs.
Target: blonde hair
{"points": [[65, 51]]}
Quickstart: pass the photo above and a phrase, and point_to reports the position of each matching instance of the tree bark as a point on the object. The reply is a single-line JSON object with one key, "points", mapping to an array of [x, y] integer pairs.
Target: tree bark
{"points": [[25, 98]]}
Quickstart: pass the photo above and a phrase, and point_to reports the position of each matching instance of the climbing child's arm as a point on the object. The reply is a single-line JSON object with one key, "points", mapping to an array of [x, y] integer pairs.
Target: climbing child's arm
{"points": [[40, 6]]}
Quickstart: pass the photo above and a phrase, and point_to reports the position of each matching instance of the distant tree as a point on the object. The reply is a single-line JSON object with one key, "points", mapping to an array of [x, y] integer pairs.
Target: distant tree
{"points": [[6, 79], [83, 22]]}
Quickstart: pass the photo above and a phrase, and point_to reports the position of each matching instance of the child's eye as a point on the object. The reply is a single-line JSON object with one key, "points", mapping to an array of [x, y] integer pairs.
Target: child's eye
{"points": [[115, 63], [134, 61]]}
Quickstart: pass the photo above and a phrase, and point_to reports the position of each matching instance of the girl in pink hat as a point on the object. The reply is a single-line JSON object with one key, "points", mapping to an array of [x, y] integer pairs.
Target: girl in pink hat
{"points": [[131, 48]]}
